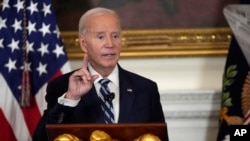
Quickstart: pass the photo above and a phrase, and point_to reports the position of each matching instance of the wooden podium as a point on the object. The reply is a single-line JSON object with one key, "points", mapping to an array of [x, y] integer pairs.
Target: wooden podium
{"points": [[121, 132]]}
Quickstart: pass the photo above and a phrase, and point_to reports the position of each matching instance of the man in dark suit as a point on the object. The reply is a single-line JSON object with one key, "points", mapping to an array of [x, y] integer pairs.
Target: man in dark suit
{"points": [[77, 97]]}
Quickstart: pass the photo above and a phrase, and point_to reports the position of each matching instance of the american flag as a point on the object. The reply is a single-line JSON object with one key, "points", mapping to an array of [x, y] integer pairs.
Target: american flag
{"points": [[29, 42]]}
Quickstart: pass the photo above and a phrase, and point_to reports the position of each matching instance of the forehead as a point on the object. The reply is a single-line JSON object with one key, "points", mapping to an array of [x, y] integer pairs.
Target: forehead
{"points": [[103, 22]]}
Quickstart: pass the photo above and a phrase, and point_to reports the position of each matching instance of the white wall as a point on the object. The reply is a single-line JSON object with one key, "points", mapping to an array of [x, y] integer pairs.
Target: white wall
{"points": [[190, 92], [190, 73]]}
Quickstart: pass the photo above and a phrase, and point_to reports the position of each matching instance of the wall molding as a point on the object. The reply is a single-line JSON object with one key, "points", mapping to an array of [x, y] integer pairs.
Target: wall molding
{"points": [[191, 104]]}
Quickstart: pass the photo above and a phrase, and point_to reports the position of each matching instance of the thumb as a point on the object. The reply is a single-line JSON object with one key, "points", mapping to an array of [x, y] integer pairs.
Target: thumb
{"points": [[94, 77]]}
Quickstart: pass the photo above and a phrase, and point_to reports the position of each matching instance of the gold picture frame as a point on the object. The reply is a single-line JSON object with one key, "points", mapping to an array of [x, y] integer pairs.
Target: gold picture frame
{"points": [[162, 43]]}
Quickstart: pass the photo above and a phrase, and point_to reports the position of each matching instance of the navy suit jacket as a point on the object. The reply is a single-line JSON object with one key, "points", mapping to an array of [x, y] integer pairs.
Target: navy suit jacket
{"points": [[139, 103]]}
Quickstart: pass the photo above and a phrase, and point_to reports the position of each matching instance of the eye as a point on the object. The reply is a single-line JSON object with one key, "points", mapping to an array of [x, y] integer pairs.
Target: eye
{"points": [[100, 37], [115, 36]]}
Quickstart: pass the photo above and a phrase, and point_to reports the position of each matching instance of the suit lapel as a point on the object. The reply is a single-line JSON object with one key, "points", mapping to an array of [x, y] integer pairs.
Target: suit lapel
{"points": [[126, 96], [95, 112]]}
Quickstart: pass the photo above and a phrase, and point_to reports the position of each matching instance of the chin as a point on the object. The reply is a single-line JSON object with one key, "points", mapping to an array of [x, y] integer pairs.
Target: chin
{"points": [[110, 64]]}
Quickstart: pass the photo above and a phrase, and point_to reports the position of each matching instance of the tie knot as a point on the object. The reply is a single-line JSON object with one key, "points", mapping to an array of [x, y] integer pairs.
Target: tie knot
{"points": [[104, 82]]}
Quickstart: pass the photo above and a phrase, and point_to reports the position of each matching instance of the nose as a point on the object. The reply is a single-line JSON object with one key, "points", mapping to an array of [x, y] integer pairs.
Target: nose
{"points": [[109, 42]]}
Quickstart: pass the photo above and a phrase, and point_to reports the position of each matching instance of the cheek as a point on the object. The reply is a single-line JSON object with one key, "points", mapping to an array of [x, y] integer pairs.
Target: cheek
{"points": [[118, 44], [94, 51], [92, 46]]}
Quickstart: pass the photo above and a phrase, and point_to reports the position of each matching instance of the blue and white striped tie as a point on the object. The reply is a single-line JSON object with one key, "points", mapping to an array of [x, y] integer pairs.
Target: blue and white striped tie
{"points": [[107, 105]]}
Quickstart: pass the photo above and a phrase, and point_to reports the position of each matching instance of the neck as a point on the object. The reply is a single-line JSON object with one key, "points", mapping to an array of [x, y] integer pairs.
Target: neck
{"points": [[105, 72]]}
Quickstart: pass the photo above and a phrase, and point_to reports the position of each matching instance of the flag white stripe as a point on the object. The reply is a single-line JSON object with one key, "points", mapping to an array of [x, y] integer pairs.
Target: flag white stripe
{"points": [[40, 98], [13, 113], [66, 68]]}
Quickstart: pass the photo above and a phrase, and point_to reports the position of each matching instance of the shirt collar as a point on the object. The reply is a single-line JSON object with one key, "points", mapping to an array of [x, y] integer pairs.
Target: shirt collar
{"points": [[113, 76]]}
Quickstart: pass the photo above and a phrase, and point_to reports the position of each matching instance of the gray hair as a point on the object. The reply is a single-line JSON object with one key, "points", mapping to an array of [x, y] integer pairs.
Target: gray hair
{"points": [[82, 29]]}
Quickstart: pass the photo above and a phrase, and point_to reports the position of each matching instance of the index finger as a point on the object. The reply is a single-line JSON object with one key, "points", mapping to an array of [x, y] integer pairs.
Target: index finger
{"points": [[85, 62]]}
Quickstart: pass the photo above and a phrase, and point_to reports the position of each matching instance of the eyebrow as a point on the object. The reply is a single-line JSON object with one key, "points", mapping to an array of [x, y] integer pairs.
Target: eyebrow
{"points": [[101, 32]]}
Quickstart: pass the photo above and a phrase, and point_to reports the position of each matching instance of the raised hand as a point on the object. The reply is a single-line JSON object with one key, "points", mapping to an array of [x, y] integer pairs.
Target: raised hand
{"points": [[80, 82]]}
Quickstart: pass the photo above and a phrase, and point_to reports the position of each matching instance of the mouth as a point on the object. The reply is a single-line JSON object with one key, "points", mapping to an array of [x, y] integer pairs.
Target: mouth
{"points": [[109, 54]]}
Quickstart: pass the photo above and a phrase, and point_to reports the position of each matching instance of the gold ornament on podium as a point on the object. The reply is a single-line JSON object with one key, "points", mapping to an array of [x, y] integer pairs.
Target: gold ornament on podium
{"points": [[67, 137], [99, 135], [148, 137]]}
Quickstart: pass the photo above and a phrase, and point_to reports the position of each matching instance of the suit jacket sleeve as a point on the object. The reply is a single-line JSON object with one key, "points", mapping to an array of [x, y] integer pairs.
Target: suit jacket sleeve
{"points": [[157, 113], [55, 89]]}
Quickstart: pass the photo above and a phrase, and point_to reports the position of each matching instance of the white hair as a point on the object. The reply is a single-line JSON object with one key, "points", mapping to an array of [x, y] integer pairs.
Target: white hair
{"points": [[82, 29]]}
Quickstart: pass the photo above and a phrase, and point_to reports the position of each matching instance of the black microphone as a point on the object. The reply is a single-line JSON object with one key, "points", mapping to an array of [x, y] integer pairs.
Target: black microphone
{"points": [[109, 97]]}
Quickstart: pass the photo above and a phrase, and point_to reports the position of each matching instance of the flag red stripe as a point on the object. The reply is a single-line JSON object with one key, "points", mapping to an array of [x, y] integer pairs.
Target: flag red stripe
{"points": [[31, 115], [6, 134]]}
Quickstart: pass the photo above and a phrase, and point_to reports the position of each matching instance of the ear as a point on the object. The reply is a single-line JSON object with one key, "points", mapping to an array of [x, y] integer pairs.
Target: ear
{"points": [[82, 42]]}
